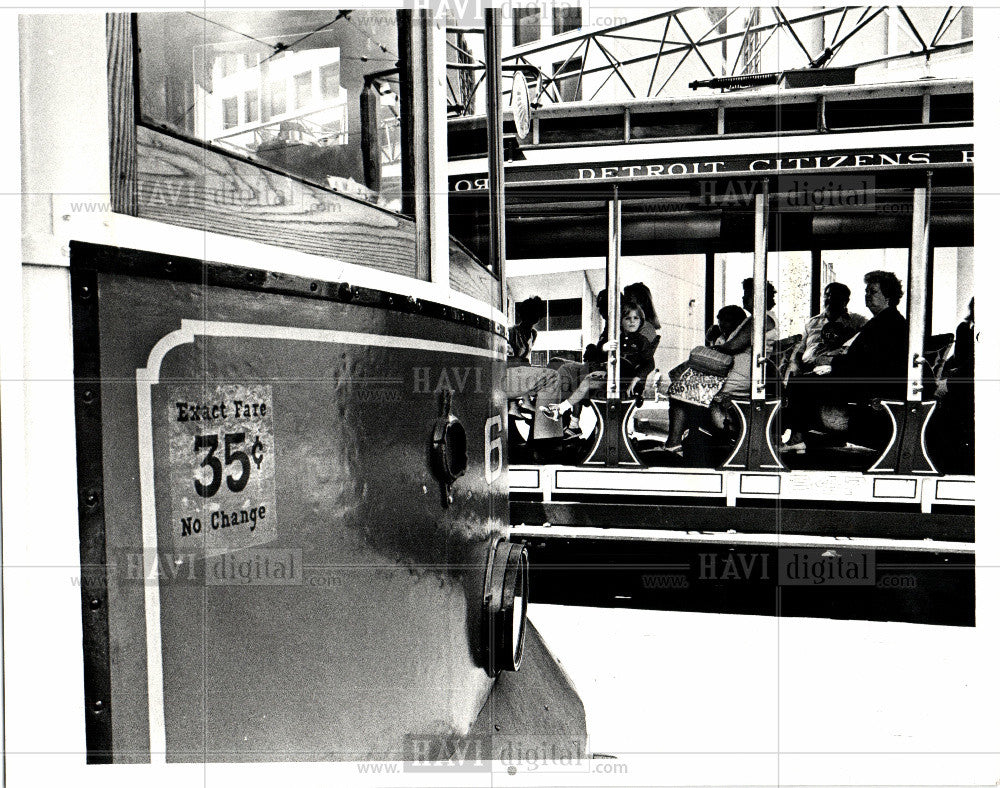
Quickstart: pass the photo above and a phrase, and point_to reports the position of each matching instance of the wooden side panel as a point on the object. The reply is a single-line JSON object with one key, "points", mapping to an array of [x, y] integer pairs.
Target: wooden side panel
{"points": [[184, 184], [121, 114]]}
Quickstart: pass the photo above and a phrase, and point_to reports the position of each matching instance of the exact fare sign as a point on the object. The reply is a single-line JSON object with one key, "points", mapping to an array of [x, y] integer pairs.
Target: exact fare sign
{"points": [[221, 468]]}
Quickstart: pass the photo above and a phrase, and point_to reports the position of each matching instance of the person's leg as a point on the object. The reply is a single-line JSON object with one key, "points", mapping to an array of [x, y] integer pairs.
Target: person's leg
{"points": [[524, 381], [547, 396], [678, 422], [592, 383]]}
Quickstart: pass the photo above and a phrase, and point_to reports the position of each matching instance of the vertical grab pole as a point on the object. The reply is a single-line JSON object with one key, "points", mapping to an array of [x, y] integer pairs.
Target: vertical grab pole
{"points": [[907, 450], [494, 143], [760, 221], [917, 290], [612, 445], [754, 449], [614, 298]]}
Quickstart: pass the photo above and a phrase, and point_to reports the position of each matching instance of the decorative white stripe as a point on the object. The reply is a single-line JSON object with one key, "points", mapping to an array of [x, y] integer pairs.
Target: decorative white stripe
{"points": [[775, 540], [743, 435], [923, 438], [653, 481], [892, 440], [962, 490], [883, 487], [145, 379], [760, 484], [799, 485], [523, 479]]}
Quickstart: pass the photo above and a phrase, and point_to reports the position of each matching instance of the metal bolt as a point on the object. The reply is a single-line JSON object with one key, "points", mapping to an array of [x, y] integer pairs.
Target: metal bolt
{"points": [[91, 498], [89, 396], [95, 604], [98, 706]]}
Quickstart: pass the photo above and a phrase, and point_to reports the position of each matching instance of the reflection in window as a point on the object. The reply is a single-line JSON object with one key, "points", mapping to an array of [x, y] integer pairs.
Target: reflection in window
{"points": [[230, 112], [329, 81], [315, 94], [303, 90], [252, 106], [277, 98]]}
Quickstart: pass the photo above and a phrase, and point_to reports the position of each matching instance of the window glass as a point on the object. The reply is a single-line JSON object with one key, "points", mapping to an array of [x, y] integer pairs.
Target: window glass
{"points": [[315, 94], [567, 78], [951, 287], [566, 18], [527, 25], [565, 314], [849, 267]]}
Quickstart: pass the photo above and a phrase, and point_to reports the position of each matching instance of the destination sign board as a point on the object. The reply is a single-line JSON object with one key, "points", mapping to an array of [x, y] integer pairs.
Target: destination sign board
{"points": [[657, 168]]}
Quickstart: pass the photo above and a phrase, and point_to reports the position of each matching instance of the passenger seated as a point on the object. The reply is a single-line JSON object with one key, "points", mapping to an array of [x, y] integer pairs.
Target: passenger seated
{"points": [[595, 356], [572, 373], [522, 337], [637, 293], [635, 363], [523, 381], [952, 430], [692, 391], [873, 368], [807, 355], [771, 322]]}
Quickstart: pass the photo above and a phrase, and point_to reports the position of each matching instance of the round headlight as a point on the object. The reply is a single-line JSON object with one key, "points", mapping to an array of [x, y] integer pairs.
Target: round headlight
{"points": [[505, 606]]}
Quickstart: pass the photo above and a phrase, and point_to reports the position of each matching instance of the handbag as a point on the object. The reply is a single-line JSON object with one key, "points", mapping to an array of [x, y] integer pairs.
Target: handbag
{"points": [[710, 361]]}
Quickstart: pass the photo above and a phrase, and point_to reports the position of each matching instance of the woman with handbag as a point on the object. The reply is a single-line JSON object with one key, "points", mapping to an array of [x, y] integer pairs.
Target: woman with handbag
{"points": [[723, 360]]}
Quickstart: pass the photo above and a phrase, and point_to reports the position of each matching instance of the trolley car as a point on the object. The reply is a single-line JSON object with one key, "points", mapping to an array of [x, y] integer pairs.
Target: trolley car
{"points": [[237, 276], [792, 186]]}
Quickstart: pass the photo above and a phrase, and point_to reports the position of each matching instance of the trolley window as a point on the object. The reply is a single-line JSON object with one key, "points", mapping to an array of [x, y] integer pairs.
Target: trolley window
{"points": [[314, 94]]}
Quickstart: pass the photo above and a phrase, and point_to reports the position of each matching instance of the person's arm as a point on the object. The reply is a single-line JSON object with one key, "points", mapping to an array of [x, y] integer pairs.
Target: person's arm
{"points": [[795, 359], [643, 363], [739, 341]]}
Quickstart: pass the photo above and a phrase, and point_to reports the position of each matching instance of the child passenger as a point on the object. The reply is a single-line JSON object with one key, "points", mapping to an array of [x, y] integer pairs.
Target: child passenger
{"points": [[635, 363]]}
